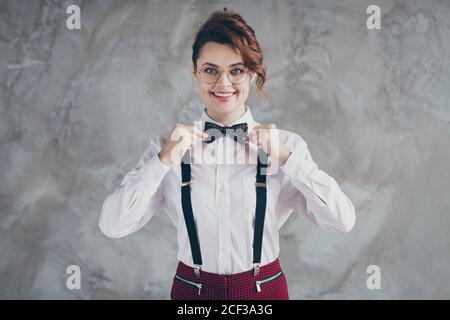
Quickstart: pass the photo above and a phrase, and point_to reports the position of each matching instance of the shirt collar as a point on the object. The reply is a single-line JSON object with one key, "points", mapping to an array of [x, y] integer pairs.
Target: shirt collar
{"points": [[246, 117]]}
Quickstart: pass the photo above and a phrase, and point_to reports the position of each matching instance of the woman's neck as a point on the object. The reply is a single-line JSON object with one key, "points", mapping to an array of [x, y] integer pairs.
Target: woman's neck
{"points": [[225, 119]]}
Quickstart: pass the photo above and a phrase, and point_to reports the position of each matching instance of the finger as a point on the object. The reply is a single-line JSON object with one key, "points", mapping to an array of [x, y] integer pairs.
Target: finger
{"points": [[199, 134], [252, 132], [257, 134], [251, 137], [202, 135], [185, 131], [195, 130], [195, 138]]}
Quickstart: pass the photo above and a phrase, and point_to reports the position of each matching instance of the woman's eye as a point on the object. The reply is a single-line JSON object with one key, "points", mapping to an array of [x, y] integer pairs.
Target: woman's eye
{"points": [[210, 71], [236, 72]]}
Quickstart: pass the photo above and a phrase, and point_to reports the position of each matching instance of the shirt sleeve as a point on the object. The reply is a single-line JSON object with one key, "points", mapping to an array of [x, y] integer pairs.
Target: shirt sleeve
{"points": [[313, 192], [138, 197]]}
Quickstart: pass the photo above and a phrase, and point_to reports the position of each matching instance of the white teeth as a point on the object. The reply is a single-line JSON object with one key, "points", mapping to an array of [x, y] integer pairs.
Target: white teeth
{"points": [[220, 94]]}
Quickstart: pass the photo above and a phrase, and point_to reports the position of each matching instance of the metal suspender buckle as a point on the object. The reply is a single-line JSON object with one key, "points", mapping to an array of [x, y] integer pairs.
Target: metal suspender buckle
{"points": [[197, 270], [260, 184], [187, 183], [256, 269]]}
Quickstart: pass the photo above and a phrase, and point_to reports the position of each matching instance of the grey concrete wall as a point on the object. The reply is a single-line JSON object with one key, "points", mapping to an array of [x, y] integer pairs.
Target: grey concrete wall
{"points": [[79, 107]]}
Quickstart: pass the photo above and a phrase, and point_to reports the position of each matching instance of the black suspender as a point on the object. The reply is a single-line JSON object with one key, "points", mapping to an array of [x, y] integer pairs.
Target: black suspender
{"points": [[261, 198], [187, 211], [260, 213]]}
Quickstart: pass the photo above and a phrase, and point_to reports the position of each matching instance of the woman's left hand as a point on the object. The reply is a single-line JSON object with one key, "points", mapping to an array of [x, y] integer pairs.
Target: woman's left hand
{"points": [[267, 137]]}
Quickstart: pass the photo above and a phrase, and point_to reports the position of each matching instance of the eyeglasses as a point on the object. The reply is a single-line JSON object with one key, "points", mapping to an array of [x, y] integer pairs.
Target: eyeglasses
{"points": [[211, 75]]}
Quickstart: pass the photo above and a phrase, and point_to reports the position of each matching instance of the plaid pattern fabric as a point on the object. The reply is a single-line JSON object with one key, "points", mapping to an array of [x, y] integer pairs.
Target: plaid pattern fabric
{"points": [[240, 286]]}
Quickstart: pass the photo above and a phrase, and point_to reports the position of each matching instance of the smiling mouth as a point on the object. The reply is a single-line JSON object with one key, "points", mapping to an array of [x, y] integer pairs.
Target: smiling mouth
{"points": [[223, 94]]}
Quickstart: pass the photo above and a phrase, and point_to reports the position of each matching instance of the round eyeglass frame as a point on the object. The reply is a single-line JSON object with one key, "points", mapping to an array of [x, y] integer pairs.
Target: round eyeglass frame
{"points": [[247, 71]]}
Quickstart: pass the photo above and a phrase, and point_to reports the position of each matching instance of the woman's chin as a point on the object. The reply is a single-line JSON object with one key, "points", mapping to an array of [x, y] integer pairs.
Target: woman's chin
{"points": [[223, 106]]}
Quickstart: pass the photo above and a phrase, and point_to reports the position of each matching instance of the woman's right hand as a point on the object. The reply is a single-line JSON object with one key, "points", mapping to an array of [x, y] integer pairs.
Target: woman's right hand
{"points": [[180, 139]]}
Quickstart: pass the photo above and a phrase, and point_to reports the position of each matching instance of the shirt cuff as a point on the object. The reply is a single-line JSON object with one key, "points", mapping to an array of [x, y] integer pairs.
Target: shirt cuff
{"points": [[153, 173]]}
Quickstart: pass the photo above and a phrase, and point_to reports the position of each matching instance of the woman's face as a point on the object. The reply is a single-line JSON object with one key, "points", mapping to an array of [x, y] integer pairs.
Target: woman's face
{"points": [[223, 98]]}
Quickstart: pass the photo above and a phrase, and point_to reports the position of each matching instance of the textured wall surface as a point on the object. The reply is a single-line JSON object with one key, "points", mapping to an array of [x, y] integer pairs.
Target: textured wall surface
{"points": [[79, 107]]}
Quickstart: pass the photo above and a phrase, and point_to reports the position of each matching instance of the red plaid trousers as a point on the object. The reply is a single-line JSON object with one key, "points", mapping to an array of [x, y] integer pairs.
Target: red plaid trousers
{"points": [[269, 284]]}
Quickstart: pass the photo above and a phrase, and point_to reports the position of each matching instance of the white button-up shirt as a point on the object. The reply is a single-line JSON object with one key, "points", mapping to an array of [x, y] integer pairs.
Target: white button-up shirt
{"points": [[224, 198]]}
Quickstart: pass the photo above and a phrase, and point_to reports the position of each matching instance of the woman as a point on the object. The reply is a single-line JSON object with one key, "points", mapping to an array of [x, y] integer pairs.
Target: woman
{"points": [[227, 208]]}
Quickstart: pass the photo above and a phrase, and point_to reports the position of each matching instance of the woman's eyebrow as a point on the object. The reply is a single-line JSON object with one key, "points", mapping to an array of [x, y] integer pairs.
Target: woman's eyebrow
{"points": [[231, 65]]}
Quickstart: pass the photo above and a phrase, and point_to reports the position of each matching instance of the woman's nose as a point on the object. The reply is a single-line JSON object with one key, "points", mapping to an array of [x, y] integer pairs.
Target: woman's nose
{"points": [[223, 80]]}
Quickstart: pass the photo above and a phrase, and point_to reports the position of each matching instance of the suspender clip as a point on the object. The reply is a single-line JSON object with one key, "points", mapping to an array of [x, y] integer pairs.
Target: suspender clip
{"points": [[197, 270], [256, 269], [187, 183], [260, 184]]}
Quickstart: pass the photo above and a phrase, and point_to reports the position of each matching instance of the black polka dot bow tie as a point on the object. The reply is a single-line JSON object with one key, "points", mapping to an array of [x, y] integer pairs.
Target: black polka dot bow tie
{"points": [[236, 131]]}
